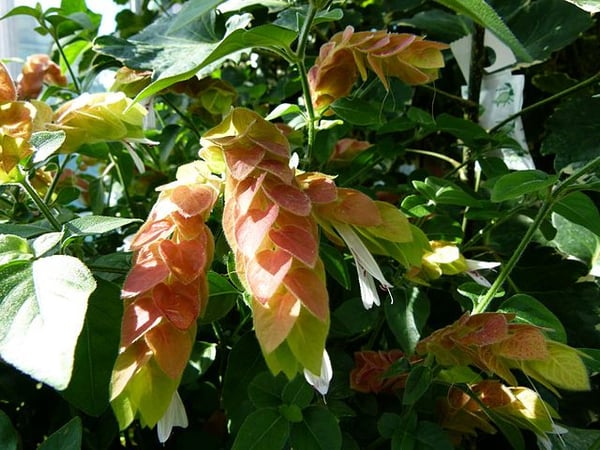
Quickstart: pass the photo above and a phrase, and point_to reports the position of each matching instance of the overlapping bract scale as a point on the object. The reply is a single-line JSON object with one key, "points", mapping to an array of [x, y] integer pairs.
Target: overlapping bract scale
{"points": [[348, 54], [165, 292]]}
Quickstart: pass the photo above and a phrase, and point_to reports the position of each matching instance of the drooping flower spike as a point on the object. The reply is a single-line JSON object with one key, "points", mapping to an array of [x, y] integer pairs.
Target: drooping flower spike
{"points": [[164, 293]]}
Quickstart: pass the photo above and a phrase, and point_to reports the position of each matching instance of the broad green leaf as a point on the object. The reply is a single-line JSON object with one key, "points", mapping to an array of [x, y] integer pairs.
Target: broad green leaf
{"points": [[591, 6], [531, 311], [298, 392], [46, 143], [202, 357], [512, 434], [68, 437], [335, 264], [484, 14], [307, 340], [441, 25], [46, 243], [467, 131], [418, 382], [351, 318], [516, 184], [356, 111], [264, 429], [475, 292], [576, 439], [88, 225], [293, 18], [244, 363], [591, 359], [9, 439], [388, 423], [14, 249], [42, 312], [24, 11], [25, 230], [573, 134], [404, 432], [96, 350], [406, 316], [192, 11], [319, 430], [292, 413], [561, 25], [191, 50], [265, 390], [575, 240], [580, 209]]}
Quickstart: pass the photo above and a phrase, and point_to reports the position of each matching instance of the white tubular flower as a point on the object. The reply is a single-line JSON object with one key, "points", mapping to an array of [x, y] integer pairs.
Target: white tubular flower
{"points": [[475, 265], [366, 266], [321, 382], [174, 416]]}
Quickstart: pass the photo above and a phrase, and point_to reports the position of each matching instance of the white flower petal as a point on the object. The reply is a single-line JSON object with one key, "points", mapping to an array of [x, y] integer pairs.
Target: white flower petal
{"points": [[361, 254], [321, 382], [174, 416], [479, 279], [368, 290], [473, 264]]}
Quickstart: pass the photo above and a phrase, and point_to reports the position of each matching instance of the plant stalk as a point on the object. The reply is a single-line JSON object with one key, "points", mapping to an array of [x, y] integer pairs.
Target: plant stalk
{"points": [[40, 204]]}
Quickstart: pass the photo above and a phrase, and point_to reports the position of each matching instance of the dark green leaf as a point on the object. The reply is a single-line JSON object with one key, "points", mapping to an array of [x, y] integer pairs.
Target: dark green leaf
{"points": [[351, 318], [484, 14], [298, 392], [475, 292], [88, 225], [244, 363], [356, 111], [319, 431], [335, 264], [179, 55], [292, 413], [192, 11], [293, 18], [388, 423], [9, 439], [573, 134], [432, 436], [531, 311], [406, 316], [96, 350], [68, 437], [467, 131], [265, 390], [512, 434], [516, 184], [580, 209], [25, 230], [264, 429], [562, 24], [222, 297], [203, 356], [46, 143], [592, 361], [576, 439], [404, 432], [441, 25], [42, 312], [420, 116], [417, 384]]}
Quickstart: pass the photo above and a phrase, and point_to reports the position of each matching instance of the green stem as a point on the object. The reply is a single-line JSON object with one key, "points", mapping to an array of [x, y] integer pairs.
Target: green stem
{"points": [[552, 98], [483, 304], [300, 56], [454, 163], [40, 204], [56, 178], [546, 208], [64, 57]]}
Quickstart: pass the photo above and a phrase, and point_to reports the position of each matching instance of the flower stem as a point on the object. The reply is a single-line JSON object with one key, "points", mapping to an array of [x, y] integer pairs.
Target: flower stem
{"points": [[64, 57], [40, 204], [300, 64]]}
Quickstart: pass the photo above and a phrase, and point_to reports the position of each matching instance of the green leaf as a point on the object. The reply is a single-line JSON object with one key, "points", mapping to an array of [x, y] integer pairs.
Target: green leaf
{"points": [[592, 359], [42, 312], [417, 384], [46, 243], [531, 311], [388, 423], [14, 249], [580, 209], [307, 340], [203, 356], [351, 318], [562, 24], [475, 292], [441, 25], [192, 11], [404, 434], [244, 363], [96, 350], [24, 11], [319, 430], [469, 132], [264, 429], [516, 184], [222, 297], [432, 436], [573, 134], [293, 18], [25, 230], [406, 316], [9, 439], [292, 413], [335, 264], [356, 111], [191, 50], [484, 14], [68, 437], [89, 225], [265, 390], [575, 240], [576, 439], [298, 392], [46, 143]]}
